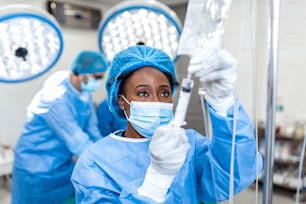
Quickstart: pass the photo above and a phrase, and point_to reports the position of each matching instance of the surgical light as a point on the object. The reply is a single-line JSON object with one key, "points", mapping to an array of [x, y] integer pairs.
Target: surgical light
{"points": [[139, 22], [30, 43]]}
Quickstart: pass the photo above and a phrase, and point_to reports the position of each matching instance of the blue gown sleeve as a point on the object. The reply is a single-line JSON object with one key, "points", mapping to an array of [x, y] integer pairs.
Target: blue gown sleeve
{"points": [[213, 166], [92, 126], [60, 119], [107, 122], [104, 118]]}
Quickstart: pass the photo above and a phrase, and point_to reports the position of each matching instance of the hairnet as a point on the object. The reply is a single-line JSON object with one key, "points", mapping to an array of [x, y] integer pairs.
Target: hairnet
{"points": [[131, 59], [87, 62]]}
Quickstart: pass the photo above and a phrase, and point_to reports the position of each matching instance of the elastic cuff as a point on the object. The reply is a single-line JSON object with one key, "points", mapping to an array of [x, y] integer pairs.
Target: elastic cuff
{"points": [[155, 185]]}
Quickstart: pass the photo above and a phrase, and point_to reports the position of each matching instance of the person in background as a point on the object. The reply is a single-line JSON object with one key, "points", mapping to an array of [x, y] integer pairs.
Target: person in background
{"points": [[60, 124], [107, 121], [155, 161]]}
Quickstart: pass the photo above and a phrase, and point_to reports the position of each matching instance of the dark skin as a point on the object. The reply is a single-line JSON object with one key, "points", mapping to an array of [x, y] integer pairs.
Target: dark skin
{"points": [[145, 84]]}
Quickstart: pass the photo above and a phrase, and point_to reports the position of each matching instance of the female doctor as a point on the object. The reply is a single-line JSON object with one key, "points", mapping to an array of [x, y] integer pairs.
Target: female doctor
{"points": [[154, 161]]}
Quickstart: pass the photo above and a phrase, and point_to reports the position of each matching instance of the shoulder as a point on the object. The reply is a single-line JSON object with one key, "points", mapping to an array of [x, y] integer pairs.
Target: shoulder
{"points": [[55, 86], [103, 105], [99, 150]]}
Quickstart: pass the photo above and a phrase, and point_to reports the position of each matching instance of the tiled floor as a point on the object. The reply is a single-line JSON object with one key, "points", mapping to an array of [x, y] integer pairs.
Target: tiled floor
{"points": [[280, 196]]}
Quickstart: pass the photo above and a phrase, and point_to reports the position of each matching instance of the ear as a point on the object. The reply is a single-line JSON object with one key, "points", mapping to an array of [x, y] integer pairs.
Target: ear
{"points": [[121, 102]]}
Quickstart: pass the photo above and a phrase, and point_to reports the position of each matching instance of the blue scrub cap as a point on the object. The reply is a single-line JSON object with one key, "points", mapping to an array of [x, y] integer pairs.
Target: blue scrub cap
{"points": [[131, 59], [88, 62]]}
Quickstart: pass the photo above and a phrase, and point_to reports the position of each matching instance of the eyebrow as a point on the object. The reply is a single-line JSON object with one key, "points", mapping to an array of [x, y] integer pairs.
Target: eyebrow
{"points": [[142, 85], [146, 85]]}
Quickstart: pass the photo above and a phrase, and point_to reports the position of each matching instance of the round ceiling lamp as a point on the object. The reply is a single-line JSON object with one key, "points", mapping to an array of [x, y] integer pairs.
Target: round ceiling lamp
{"points": [[31, 42], [137, 22]]}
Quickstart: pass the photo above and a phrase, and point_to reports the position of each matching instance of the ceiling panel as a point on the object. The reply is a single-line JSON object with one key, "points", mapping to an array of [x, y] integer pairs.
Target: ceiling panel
{"points": [[113, 2]]}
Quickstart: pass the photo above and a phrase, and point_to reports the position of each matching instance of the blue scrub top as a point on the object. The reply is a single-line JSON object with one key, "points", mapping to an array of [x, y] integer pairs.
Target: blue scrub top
{"points": [[107, 122], [115, 178], [60, 123]]}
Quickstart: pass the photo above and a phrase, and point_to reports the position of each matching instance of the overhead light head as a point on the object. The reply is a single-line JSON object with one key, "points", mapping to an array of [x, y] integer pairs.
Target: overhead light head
{"points": [[31, 42], [137, 22]]}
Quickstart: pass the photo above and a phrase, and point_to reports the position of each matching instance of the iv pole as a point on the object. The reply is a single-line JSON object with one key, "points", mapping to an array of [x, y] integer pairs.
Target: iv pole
{"points": [[271, 93]]}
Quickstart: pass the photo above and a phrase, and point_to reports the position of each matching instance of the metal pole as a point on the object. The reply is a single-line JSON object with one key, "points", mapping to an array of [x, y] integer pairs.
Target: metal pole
{"points": [[271, 93]]}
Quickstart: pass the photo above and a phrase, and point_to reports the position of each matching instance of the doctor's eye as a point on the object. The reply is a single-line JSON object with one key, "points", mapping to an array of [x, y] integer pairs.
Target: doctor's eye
{"points": [[165, 93], [143, 93], [98, 77]]}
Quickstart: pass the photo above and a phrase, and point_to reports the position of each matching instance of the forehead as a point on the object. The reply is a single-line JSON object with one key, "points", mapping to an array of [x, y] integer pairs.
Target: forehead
{"points": [[145, 77], [148, 73]]}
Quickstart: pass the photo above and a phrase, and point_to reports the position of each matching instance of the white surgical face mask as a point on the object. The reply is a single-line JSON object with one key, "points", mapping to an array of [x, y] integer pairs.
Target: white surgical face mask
{"points": [[145, 117], [92, 85]]}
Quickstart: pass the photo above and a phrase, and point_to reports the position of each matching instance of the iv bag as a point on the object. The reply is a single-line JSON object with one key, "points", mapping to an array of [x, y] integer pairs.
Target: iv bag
{"points": [[203, 26]]}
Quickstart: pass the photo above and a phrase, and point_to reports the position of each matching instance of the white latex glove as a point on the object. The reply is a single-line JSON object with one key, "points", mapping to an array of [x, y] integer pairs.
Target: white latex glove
{"points": [[168, 150], [217, 71]]}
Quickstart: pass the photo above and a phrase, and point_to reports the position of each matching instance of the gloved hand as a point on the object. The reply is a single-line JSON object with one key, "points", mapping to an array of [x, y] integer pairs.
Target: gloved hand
{"points": [[217, 71], [168, 150]]}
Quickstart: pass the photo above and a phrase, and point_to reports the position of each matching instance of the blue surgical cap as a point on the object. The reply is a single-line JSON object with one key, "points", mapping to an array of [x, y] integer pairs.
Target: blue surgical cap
{"points": [[131, 59], [88, 62]]}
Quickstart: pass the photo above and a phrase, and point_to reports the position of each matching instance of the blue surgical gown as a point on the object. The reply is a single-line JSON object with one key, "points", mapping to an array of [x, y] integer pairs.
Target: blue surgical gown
{"points": [[60, 123], [107, 122], [113, 169]]}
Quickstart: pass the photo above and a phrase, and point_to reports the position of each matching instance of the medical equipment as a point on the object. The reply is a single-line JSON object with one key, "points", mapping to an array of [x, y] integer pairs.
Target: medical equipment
{"points": [[153, 115], [31, 42], [183, 101], [271, 102], [139, 22], [75, 14], [199, 35]]}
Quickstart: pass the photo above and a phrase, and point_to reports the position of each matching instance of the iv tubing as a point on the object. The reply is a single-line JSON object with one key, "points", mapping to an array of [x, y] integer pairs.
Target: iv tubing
{"points": [[235, 116], [253, 57]]}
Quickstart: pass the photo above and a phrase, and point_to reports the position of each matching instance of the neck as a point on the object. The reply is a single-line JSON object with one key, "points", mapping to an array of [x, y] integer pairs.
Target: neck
{"points": [[130, 132], [75, 81]]}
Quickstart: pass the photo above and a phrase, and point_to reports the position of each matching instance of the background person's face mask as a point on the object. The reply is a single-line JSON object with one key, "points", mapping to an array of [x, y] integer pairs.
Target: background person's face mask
{"points": [[91, 85], [145, 117]]}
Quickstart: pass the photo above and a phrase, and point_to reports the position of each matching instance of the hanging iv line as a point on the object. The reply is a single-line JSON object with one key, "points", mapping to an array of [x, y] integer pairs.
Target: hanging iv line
{"points": [[203, 29]]}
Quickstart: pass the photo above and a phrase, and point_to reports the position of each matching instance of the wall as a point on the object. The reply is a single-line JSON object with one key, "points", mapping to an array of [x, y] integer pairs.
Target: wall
{"points": [[290, 74], [245, 37]]}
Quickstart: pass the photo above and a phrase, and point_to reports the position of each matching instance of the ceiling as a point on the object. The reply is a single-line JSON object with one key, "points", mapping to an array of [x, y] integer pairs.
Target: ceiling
{"points": [[113, 2]]}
